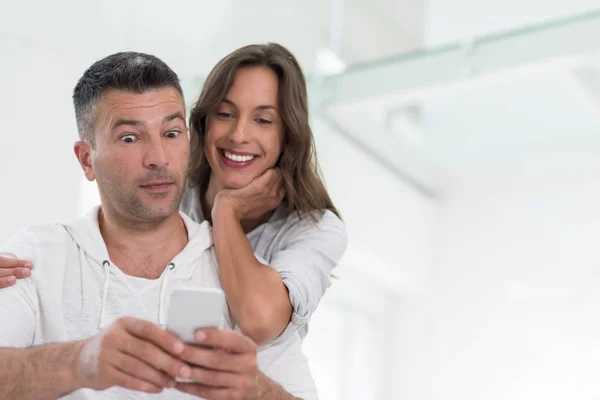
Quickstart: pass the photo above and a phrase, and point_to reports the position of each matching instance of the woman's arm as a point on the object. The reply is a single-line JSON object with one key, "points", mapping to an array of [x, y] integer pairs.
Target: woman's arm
{"points": [[257, 297], [267, 300]]}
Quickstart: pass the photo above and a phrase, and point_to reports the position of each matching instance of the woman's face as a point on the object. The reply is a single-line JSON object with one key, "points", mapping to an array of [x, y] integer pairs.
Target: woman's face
{"points": [[244, 135]]}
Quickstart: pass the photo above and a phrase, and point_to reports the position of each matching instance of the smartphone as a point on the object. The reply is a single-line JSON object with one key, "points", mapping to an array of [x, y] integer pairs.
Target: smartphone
{"points": [[191, 308]]}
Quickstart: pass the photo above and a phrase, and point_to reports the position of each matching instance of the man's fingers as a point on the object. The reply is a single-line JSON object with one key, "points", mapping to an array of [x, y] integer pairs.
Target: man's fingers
{"points": [[231, 341], [7, 281], [153, 333], [221, 379], [18, 273], [10, 263], [129, 382], [140, 370], [217, 360], [153, 345], [157, 358]]}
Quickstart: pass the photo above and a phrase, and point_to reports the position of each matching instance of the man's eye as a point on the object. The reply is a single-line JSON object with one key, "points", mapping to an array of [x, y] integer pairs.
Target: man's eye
{"points": [[172, 134], [128, 138]]}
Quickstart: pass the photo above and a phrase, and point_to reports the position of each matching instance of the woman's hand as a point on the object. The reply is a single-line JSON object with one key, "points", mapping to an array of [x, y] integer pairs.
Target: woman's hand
{"points": [[261, 195], [12, 269]]}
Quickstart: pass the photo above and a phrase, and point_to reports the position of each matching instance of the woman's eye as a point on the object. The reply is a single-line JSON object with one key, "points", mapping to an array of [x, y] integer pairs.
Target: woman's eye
{"points": [[224, 115], [128, 138], [263, 121]]}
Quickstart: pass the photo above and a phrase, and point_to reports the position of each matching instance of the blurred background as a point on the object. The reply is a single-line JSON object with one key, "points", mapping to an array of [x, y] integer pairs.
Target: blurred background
{"points": [[460, 140]]}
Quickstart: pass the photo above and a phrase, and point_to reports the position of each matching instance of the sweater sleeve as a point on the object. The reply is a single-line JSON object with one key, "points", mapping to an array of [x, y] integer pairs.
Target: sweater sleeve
{"points": [[17, 303], [309, 253]]}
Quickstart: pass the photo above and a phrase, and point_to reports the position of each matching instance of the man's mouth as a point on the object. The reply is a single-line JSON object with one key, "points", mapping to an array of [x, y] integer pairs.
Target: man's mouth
{"points": [[157, 183], [158, 186]]}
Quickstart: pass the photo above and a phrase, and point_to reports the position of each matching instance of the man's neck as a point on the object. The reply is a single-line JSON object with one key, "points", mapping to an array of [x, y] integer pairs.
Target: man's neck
{"points": [[142, 249]]}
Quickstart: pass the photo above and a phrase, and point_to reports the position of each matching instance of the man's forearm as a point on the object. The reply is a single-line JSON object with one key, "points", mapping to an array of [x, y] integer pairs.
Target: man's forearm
{"points": [[269, 390], [41, 372]]}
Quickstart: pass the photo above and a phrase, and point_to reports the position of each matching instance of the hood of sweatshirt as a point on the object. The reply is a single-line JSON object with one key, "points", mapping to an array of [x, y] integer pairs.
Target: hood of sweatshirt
{"points": [[85, 232]]}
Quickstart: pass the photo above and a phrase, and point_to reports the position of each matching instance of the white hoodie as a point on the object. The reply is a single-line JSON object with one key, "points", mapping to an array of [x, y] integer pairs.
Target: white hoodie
{"points": [[75, 291]]}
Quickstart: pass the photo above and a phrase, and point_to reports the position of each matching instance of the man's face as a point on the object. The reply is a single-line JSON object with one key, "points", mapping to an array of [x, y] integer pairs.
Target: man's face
{"points": [[141, 155]]}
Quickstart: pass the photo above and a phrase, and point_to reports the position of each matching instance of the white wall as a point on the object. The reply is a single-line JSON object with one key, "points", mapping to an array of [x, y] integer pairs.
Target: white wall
{"points": [[45, 48], [390, 225], [354, 334], [38, 170], [513, 308], [458, 20], [493, 293]]}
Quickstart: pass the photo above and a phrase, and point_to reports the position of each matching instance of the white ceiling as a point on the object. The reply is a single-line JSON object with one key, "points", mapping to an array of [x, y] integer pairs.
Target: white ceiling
{"points": [[192, 35], [536, 110], [431, 120]]}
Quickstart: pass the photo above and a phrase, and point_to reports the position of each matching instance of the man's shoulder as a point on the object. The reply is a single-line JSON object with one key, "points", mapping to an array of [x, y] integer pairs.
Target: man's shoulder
{"points": [[39, 232], [28, 242]]}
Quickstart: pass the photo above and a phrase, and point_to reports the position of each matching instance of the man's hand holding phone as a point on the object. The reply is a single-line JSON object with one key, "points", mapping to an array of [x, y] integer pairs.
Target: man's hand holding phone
{"points": [[131, 353], [224, 366], [223, 362]]}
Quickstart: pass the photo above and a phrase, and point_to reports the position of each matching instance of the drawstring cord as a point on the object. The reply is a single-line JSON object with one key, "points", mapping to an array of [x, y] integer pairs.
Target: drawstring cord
{"points": [[163, 291], [106, 266]]}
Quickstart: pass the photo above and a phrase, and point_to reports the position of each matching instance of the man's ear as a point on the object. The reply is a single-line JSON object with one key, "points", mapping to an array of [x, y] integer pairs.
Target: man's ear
{"points": [[83, 152]]}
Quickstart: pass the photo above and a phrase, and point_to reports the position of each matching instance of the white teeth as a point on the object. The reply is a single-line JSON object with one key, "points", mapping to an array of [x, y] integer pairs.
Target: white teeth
{"points": [[237, 157]]}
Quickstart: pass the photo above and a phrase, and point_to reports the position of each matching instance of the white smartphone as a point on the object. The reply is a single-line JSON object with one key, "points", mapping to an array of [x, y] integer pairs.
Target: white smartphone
{"points": [[191, 308]]}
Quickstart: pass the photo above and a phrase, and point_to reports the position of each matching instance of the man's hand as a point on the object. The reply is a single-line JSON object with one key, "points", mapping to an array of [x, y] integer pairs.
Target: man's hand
{"points": [[261, 195], [12, 269], [133, 354], [224, 368]]}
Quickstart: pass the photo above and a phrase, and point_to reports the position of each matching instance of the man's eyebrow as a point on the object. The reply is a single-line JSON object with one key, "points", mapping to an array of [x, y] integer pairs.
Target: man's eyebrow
{"points": [[174, 116], [122, 121], [132, 122]]}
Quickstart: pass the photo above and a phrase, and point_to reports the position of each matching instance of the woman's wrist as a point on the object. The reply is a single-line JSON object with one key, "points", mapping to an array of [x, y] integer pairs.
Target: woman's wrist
{"points": [[224, 206]]}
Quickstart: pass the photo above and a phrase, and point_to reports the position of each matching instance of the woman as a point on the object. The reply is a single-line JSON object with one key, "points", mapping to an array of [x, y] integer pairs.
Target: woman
{"points": [[253, 174]]}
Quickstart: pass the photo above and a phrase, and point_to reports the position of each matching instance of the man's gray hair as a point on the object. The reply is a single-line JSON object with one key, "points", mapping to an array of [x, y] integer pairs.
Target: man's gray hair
{"points": [[127, 71]]}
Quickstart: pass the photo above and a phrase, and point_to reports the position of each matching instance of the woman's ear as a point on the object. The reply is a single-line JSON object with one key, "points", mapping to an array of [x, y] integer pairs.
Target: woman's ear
{"points": [[83, 152]]}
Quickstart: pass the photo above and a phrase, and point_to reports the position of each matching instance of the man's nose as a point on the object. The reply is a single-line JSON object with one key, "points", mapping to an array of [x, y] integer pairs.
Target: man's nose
{"points": [[156, 155]]}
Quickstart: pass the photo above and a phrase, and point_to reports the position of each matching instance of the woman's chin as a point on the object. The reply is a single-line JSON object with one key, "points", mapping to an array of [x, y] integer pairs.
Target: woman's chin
{"points": [[237, 183]]}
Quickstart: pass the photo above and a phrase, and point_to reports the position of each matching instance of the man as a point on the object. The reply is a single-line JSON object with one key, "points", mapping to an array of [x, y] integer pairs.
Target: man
{"points": [[88, 322]]}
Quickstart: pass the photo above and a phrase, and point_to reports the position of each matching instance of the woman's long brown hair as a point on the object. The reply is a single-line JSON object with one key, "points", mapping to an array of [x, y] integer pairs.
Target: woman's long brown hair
{"points": [[304, 188]]}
